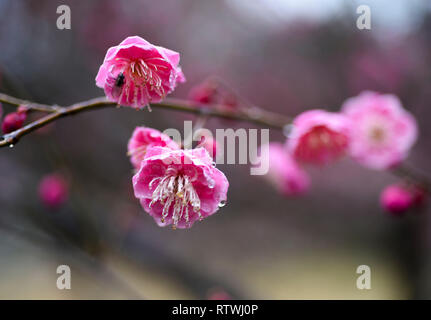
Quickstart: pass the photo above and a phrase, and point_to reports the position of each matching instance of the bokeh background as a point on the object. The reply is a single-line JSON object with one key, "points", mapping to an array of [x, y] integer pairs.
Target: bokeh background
{"points": [[286, 56]]}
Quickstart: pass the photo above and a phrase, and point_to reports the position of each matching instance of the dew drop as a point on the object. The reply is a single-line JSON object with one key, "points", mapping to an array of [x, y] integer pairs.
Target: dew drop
{"points": [[222, 204]]}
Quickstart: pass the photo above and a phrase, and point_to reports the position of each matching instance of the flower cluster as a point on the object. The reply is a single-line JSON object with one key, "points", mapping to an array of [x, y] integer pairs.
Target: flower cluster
{"points": [[373, 129], [176, 187]]}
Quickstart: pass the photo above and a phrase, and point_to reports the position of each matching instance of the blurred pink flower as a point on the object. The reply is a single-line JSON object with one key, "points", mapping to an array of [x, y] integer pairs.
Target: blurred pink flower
{"points": [[319, 137], [214, 92], [14, 121], [382, 130], [144, 138], [284, 173], [53, 190], [178, 187], [385, 70], [396, 199], [218, 294], [136, 73], [204, 93]]}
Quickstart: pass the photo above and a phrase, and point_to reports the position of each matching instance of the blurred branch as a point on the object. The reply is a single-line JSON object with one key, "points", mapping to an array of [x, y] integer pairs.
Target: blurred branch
{"points": [[254, 115], [81, 258], [411, 175]]}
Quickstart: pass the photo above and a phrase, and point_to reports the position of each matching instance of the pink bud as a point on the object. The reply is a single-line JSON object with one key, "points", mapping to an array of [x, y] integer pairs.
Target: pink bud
{"points": [[419, 196], [396, 199], [53, 190], [218, 294], [13, 121], [230, 101], [203, 94]]}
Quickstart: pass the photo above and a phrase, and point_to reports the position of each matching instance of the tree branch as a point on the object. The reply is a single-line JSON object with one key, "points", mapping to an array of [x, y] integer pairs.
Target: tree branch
{"points": [[254, 115]]}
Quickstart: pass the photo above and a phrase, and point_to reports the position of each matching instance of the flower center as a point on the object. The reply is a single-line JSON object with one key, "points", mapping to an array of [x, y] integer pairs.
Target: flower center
{"points": [[144, 75], [177, 192], [377, 134]]}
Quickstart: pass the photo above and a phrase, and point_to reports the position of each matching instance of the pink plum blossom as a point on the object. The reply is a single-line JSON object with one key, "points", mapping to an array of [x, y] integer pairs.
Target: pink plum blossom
{"points": [[53, 190], [178, 187], [319, 137], [136, 73], [144, 138], [396, 199], [284, 172], [382, 130]]}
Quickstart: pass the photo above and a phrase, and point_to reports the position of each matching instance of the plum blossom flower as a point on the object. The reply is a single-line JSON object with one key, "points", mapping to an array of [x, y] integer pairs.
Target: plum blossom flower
{"points": [[382, 130], [178, 187], [144, 138], [53, 190], [319, 137], [284, 172], [136, 73]]}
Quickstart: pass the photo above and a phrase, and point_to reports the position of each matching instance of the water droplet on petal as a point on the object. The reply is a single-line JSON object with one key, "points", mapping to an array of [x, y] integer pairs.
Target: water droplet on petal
{"points": [[222, 204]]}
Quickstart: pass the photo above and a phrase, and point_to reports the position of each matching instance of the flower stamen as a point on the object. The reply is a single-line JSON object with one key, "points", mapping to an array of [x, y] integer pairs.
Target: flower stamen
{"points": [[176, 193]]}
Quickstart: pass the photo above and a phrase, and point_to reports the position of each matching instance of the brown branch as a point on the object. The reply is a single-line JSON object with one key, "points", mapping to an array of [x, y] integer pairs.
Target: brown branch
{"points": [[253, 115]]}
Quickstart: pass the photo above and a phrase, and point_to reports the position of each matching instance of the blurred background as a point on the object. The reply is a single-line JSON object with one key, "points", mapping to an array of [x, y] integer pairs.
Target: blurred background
{"points": [[286, 56]]}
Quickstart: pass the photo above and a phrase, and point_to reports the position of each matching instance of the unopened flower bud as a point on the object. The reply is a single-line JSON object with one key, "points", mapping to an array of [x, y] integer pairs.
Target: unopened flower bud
{"points": [[53, 190], [13, 121]]}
